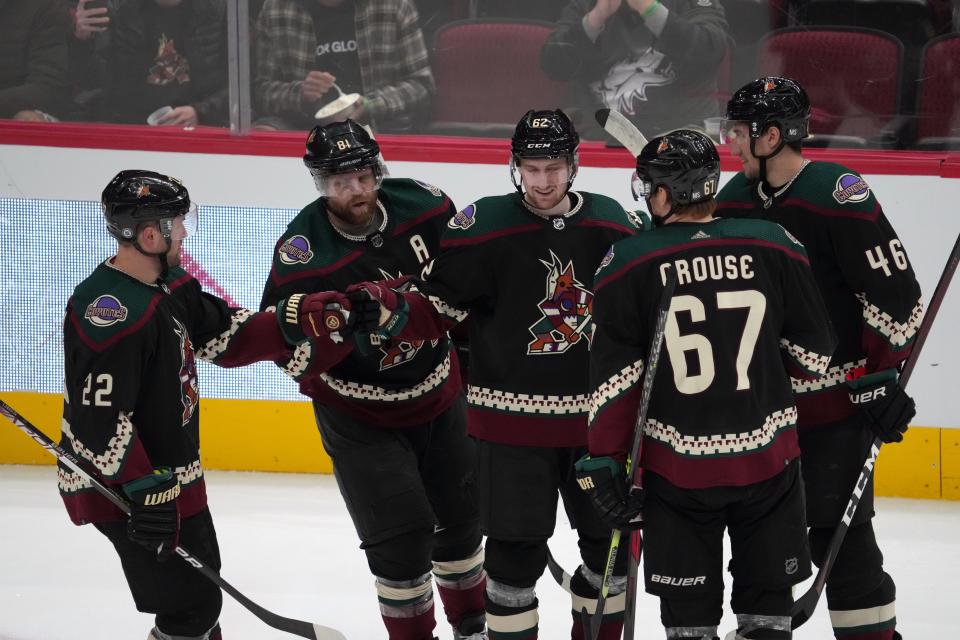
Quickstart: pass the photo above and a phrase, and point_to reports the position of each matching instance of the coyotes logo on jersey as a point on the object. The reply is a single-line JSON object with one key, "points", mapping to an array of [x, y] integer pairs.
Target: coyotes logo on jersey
{"points": [[396, 352], [567, 311], [189, 390]]}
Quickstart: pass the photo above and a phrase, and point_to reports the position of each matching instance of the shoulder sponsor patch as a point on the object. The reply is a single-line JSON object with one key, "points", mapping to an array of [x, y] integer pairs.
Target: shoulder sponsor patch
{"points": [[295, 249], [465, 218], [429, 187], [105, 311], [607, 259], [851, 188]]}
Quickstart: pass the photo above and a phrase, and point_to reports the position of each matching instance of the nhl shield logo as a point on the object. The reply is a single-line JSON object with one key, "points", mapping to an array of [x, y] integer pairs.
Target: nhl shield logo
{"points": [[790, 566]]}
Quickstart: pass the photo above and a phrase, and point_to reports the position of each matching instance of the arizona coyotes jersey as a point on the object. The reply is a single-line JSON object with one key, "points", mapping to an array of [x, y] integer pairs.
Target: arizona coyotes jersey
{"points": [[526, 284], [396, 383], [721, 409], [131, 401], [860, 266]]}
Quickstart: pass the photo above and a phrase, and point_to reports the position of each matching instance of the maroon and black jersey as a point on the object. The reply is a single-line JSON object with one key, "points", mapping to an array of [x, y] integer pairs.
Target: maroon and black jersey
{"points": [[523, 285], [861, 269], [745, 310], [397, 383], [131, 400]]}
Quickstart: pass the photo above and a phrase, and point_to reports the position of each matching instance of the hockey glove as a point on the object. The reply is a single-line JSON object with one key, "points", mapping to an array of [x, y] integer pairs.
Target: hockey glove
{"points": [[378, 309], [604, 481], [154, 513], [304, 316], [886, 407]]}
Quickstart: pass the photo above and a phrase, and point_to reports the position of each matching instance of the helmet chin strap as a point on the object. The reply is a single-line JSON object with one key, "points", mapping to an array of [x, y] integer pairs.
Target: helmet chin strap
{"points": [[763, 159], [162, 256]]}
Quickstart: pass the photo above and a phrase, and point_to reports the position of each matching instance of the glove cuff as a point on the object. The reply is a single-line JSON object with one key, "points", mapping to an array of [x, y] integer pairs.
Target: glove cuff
{"points": [[872, 379], [158, 488], [586, 464], [288, 317]]}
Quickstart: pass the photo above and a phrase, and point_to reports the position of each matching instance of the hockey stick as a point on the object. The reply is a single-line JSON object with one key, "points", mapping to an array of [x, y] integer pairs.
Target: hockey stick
{"points": [[663, 310], [289, 625], [804, 606], [622, 130]]}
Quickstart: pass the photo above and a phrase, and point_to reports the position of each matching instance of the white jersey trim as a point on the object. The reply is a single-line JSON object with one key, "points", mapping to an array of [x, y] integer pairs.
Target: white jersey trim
{"points": [[527, 402], [111, 460], [70, 482], [809, 360], [614, 387], [723, 443], [217, 346], [831, 378], [897, 334], [358, 391]]}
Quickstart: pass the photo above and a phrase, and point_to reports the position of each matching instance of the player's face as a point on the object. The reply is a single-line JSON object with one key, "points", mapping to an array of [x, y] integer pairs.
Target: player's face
{"points": [[737, 135], [352, 196], [177, 236], [544, 181]]}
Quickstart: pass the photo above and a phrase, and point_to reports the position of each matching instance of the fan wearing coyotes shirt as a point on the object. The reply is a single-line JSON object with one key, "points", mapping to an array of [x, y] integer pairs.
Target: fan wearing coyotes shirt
{"points": [[131, 334], [517, 270], [719, 448], [390, 412], [873, 299]]}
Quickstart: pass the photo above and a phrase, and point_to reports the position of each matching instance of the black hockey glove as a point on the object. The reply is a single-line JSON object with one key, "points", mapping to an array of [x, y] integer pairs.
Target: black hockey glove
{"points": [[378, 309], [314, 315], [886, 407], [154, 512], [604, 480]]}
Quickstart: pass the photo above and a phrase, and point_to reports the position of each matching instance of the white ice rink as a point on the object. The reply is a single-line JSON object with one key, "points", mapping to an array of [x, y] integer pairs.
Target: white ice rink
{"points": [[288, 544]]}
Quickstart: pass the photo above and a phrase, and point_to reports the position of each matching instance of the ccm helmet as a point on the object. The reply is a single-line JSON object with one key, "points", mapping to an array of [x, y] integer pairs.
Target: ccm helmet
{"points": [[543, 134]]}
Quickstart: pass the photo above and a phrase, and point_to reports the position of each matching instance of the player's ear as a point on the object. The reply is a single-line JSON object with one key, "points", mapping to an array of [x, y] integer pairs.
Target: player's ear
{"points": [[148, 236]]}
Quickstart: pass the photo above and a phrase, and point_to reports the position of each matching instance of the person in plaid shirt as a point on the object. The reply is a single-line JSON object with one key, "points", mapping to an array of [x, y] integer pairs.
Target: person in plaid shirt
{"points": [[371, 47]]}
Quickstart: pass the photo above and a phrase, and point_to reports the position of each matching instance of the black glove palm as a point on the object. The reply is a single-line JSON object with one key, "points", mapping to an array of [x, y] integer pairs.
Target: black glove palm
{"points": [[886, 407], [604, 480], [154, 513]]}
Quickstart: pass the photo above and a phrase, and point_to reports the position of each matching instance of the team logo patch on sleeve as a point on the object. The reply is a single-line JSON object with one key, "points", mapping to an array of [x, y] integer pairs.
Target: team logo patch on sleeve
{"points": [[295, 249], [607, 259], [635, 218], [464, 218], [429, 187], [851, 188], [105, 311]]}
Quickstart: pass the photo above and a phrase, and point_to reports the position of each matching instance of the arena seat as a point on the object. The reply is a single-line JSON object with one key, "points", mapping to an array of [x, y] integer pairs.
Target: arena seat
{"points": [[938, 94]]}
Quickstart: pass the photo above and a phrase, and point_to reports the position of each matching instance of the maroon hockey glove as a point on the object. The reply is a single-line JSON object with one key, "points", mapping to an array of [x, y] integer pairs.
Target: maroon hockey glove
{"points": [[604, 481], [886, 407], [154, 513], [368, 299], [314, 315]]}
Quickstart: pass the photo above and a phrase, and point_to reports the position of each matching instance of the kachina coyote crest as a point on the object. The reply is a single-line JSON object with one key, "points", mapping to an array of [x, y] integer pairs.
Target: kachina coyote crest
{"points": [[567, 311], [397, 352], [189, 390]]}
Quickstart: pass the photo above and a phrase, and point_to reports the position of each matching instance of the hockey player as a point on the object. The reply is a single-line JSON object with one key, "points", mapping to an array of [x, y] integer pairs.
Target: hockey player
{"points": [[720, 441], [131, 334], [518, 269], [874, 303], [391, 414]]}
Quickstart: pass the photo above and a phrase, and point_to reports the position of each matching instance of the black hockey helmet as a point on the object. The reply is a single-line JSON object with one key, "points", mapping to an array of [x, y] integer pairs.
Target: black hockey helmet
{"points": [[341, 147], [135, 196], [543, 134], [768, 101], [684, 161]]}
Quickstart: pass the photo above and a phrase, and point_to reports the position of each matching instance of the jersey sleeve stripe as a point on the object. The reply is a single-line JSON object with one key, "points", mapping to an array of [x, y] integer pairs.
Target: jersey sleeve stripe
{"points": [[809, 361], [614, 387], [112, 340], [439, 209], [218, 345], [897, 334], [279, 280], [449, 242], [609, 224], [110, 462], [869, 216]]}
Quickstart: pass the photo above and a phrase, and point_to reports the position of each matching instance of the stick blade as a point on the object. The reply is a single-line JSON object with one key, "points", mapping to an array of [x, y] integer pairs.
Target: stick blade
{"points": [[602, 115], [622, 130]]}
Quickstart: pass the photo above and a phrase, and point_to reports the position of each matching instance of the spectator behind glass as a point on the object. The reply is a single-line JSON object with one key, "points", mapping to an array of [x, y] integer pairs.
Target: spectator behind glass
{"points": [[371, 47], [655, 61], [169, 53], [88, 48], [33, 59]]}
